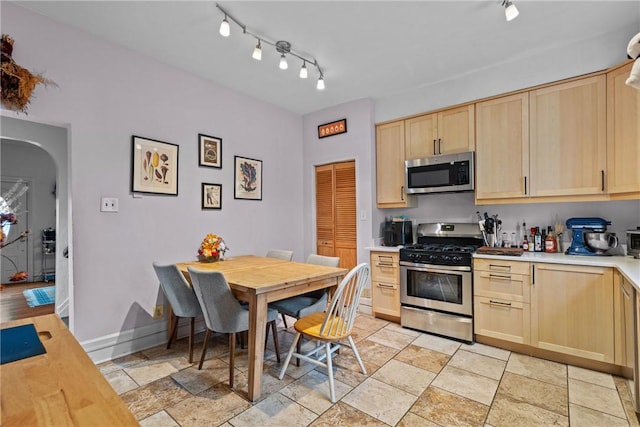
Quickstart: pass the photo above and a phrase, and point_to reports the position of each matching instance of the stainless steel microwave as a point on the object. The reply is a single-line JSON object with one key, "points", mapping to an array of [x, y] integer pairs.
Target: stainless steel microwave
{"points": [[438, 174]]}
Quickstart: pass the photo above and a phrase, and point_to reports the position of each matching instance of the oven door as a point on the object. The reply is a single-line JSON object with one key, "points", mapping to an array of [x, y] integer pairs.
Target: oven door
{"points": [[435, 287]]}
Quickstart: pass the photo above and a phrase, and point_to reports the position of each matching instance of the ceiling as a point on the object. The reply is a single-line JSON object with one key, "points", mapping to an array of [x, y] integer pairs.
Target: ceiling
{"points": [[367, 49]]}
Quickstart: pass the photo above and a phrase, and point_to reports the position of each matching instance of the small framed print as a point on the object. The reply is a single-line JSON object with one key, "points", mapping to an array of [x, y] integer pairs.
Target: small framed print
{"points": [[210, 151], [333, 128], [154, 166], [211, 196], [248, 178]]}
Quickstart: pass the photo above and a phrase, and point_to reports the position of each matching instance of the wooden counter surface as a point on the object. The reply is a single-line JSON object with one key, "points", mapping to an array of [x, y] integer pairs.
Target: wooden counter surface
{"points": [[62, 387]]}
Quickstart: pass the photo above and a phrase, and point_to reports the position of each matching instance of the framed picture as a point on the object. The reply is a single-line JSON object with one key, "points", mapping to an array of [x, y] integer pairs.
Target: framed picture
{"points": [[154, 166], [210, 150], [211, 196], [248, 178], [333, 128]]}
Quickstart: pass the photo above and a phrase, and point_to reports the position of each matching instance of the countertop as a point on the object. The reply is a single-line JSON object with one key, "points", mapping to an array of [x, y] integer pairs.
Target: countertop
{"points": [[384, 248], [628, 266]]}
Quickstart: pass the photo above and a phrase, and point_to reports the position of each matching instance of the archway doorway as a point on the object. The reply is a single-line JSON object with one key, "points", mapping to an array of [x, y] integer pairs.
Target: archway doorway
{"points": [[53, 139]]}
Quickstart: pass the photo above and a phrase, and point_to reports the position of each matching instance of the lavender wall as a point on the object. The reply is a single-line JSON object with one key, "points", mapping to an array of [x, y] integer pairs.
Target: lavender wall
{"points": [[106, 94]]}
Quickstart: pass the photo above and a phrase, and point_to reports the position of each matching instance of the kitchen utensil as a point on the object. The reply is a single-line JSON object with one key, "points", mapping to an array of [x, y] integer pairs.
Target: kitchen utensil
{"points": [[600, 242]]}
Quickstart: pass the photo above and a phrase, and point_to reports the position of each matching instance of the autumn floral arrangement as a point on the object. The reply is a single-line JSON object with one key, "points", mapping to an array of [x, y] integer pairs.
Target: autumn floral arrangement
{"points": [[212, 248]]}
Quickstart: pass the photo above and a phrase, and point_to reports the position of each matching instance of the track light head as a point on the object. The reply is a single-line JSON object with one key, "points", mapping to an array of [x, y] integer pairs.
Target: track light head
{"points": [[224, 27], [320, 85], [510, 10], [257, 52], [303, 70], [283, 62]]}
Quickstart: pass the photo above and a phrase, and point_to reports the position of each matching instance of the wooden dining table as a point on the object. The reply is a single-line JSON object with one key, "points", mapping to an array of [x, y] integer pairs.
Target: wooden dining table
{"points": [[58, 387], [259, 281]]}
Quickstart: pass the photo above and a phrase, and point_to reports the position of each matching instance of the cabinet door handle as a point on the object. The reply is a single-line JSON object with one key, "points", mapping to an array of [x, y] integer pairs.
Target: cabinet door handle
{"points": [[402, 193], [533, 275], [434, 147], [602, 179], [385, 265], [383, 285], [499, 277], [503, 304], [498, 266], [439, 146], [525, 185]]}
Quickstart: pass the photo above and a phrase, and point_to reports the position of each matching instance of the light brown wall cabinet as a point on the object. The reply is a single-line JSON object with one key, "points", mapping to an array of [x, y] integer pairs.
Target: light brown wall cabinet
{"points": [[336, 212], [623, 134], [568, 138], [445, 132], [390, 190], [502, 300], [572, 310], [385, 285], [502, 147]]}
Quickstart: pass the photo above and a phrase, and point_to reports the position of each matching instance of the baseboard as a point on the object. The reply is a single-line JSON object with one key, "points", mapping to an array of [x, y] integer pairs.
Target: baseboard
{"points": [[123, 343]]}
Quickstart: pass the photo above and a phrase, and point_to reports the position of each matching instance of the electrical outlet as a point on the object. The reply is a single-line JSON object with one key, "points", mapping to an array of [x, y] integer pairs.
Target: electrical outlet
{"points": [[158, 311], [108, 204]]}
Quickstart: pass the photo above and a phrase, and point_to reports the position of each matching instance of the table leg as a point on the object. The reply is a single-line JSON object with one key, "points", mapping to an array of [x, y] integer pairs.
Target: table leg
{"points": [[257, 328]]}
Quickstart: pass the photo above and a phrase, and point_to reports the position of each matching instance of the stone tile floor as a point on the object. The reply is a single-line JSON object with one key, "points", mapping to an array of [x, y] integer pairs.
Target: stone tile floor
{"points": [[413, 379]]}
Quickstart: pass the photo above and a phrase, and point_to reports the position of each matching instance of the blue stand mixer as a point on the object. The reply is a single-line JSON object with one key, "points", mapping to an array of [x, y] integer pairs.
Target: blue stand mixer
{"points": [[581, 226]]}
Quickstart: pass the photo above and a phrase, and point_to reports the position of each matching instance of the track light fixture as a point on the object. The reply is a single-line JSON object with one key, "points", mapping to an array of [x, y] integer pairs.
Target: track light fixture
{"points": [[510, 10], [224, 27], [282, 47], [257, 52]]}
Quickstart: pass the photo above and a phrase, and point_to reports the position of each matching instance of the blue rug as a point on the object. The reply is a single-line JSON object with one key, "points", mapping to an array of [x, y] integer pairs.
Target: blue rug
{"points": [[40, 296]]}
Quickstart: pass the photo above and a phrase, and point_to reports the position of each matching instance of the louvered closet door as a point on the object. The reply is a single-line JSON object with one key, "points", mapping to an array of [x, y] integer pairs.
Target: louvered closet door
{"points": [[336, 212], [324, 210], [345, 214]]}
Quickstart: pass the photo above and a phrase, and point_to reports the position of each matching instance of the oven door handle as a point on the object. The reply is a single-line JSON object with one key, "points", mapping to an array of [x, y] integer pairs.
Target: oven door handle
{"points": [[449, 269]]}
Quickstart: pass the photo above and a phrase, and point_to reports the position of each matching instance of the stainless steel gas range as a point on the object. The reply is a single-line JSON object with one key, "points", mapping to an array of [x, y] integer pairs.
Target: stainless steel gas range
{"points": [[436, 281]]}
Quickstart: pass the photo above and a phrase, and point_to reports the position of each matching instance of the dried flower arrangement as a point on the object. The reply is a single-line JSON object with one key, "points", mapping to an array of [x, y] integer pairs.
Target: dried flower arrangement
{"points": [[17, 83]]}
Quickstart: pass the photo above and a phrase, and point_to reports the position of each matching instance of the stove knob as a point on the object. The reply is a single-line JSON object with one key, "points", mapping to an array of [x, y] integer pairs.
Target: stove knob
{"points": [[457, 259], [446, 258], [433, 257]]}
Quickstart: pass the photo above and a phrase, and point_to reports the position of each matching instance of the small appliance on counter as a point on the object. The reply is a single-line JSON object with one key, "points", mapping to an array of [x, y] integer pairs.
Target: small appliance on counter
{"points": [[398, 232], [590, 236], [633, 242]]}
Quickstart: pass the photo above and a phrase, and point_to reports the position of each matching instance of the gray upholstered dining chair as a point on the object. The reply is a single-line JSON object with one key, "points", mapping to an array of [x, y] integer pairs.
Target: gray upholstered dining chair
{"points": [[311, 302], [333, 328], [223, 313], [280, 254], [182, 299]]}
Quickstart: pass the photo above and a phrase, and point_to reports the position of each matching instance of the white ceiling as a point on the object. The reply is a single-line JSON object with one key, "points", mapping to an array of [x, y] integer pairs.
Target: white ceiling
{"points": [[373, 49]]}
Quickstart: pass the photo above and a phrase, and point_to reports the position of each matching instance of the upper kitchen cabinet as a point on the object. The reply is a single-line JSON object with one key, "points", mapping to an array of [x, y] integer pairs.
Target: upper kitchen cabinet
{"points": [[623, 134], [502, 147], [568, 138], [390, 158], [445, 132]]}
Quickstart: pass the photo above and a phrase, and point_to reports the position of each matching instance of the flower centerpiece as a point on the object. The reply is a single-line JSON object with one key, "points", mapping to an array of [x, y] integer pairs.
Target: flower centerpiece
{"points": [[211, 248]]}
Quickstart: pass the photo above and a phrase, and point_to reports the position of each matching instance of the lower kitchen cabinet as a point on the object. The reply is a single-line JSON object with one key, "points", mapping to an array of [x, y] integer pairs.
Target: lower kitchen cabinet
{"points": [[623, 294], [572, 310], [501, 300], [385, 285]]}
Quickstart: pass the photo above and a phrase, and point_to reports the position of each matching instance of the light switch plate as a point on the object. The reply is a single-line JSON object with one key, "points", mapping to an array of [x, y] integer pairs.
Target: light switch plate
{"points": [[108, 204]]}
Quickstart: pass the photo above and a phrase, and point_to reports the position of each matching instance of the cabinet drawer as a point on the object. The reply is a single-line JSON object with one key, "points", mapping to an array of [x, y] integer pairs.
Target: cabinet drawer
{"points": [[384, 267], [513, 287], [385, 298], [500, 266], [505, 320]]}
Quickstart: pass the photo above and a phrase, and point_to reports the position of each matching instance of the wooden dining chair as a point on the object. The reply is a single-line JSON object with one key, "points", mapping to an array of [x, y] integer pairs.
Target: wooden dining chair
{"points": [[183, 300], [280, 254], [223, 313], [331, 329], [311, 302]]}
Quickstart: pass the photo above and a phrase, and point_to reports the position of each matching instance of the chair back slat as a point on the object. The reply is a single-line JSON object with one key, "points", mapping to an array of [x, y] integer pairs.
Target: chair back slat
{"points": [[344, 304], [280, 254]]}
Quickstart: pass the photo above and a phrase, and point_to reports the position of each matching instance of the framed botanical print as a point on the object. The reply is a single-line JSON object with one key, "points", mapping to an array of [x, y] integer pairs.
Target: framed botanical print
{"points": [[211, 196], [210, 151], [248, 178], [154, 166]]}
